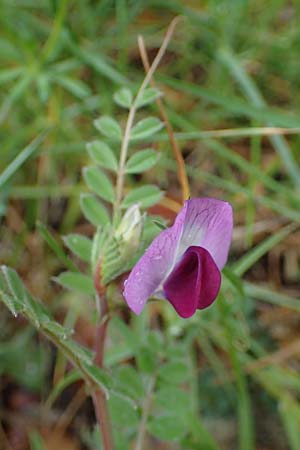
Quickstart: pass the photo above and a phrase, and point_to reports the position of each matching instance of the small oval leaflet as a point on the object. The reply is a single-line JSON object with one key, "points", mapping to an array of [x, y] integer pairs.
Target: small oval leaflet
{"points": [[75, 281], [142, 161], [145, 196], [123, 97], [80, 245], [149, 96], [146, 127], [99, 183], [109, 127], [102, 154], [93, 210]]}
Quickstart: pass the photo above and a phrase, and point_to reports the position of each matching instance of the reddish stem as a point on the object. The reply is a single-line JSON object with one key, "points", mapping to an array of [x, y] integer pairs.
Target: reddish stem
{"points": [[99, 398]]}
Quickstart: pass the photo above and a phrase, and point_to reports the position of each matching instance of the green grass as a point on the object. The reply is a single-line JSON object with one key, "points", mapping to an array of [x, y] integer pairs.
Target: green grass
{"points": [[230, 66]]}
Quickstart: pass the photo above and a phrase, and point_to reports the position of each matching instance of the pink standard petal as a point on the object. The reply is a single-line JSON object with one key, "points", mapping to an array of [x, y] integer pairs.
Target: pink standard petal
{"points": [[208, 223], [153, 267], [194, 283]]}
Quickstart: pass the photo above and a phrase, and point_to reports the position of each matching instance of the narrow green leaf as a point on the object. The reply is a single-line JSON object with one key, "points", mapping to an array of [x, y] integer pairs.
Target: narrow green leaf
{"points": [[76, 87], [289, 410], [21, 158], [61, 385], [13, 287], [76, 282], [271, 296], [99, 183], [145, 196], [10, 74], [123, 98], [109, 127], [149, 96], [102, 154], [36, 441], [254, 96], [93, 210], [250, 258], [142, 161], [146, 127], [55, 246], [98, 63], [80, 245]]}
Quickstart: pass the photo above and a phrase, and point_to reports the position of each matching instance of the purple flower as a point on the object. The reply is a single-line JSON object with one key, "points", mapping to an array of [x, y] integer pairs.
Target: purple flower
{"points": [[183, 263]]}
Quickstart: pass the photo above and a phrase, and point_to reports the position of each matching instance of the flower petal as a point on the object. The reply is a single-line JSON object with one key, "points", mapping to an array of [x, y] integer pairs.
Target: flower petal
{"points": [[194, 283], [208, 223], [154, 266]]}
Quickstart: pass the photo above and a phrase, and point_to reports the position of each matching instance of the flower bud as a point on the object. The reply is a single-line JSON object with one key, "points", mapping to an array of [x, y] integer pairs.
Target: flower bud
{"points": [[131, 226]]}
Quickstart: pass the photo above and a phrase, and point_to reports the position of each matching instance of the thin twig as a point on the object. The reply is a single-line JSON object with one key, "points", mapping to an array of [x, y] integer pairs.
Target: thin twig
{"points": [[183, 179], [146, 411], [132, 111], [71, 410], [99, 398]]}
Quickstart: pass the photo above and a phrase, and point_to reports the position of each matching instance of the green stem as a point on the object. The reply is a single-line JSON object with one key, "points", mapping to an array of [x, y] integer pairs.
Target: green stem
{"points": [[55, 32]]}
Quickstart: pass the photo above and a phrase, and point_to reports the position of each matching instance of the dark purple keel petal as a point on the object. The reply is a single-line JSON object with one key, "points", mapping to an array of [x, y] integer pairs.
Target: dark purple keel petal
{"points": [[194, 283]]}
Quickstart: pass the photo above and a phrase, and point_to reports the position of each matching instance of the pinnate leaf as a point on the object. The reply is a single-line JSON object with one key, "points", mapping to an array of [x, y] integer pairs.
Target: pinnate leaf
{"points": [[23, 302]]}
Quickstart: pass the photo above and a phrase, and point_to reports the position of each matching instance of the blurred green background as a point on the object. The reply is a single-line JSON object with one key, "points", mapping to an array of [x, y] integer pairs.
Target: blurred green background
{"points": [[232, 65]]}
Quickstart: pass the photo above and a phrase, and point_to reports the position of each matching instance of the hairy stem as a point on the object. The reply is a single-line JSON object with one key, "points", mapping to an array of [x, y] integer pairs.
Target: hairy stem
{"points": [[99, 397], [132, 111]]}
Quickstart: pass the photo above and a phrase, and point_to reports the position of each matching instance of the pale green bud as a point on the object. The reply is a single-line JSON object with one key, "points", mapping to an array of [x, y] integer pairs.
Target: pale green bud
{"points": [[131, 226]]}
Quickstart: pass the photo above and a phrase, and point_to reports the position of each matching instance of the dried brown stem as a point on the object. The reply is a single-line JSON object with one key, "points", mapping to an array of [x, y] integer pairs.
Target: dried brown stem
{"points": [[132, 111], [183, 179]]}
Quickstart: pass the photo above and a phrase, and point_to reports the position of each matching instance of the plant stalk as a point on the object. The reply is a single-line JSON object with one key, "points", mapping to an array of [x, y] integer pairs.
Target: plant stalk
{"points": [[99, 397], [132, 111]]}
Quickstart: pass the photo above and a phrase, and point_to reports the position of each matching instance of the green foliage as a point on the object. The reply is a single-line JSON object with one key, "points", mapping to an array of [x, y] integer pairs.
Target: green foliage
{"points": [[76, 281], [145, 196], [99, 183], [80, 245], [123, 98], [19, 301], [102, 154], [109, 127], [146, 128], [149, 96], [142, 161], [60, 69], [93, 210]]}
